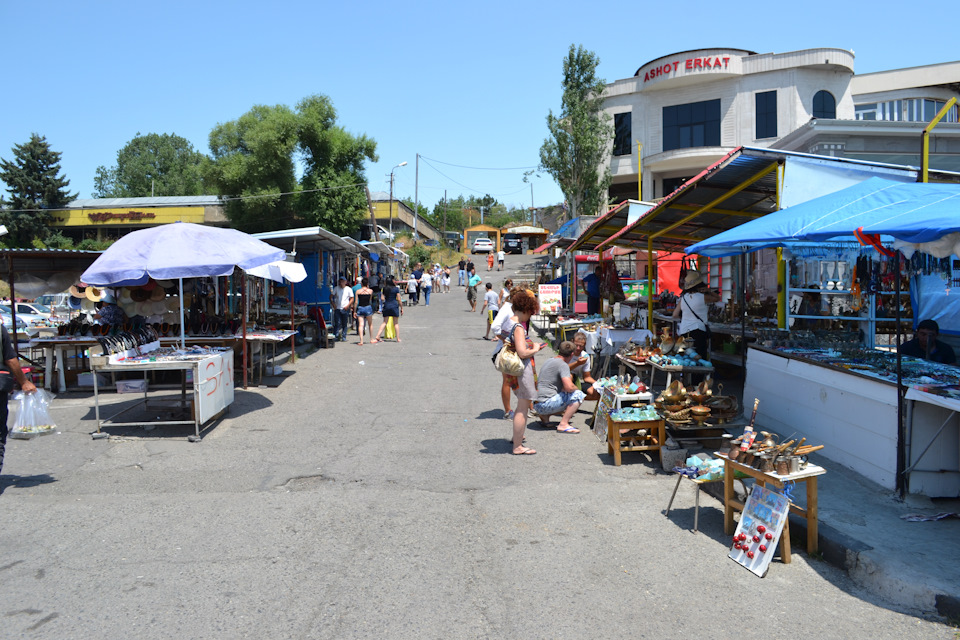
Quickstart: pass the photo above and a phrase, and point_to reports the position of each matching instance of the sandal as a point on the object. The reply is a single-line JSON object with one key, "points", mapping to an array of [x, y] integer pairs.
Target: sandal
{"points": [[567, 430], [524, 451]]}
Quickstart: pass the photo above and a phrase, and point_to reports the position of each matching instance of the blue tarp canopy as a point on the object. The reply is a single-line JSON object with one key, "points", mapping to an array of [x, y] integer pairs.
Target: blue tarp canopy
{"points": [[913, 212]]}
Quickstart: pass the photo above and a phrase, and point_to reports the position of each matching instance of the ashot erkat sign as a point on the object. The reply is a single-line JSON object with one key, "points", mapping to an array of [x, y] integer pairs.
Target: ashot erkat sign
{"points": [[688, 64]]}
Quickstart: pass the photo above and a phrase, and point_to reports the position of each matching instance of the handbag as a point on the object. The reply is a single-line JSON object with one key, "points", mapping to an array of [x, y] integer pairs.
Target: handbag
{"points": [[706, 327], [508, 361]]}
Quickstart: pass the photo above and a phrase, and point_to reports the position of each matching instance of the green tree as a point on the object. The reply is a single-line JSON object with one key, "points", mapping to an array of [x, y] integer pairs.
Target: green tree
{"points": [[333, 159], [579, 136], [254, 161], [34, 183], [152, 164]]}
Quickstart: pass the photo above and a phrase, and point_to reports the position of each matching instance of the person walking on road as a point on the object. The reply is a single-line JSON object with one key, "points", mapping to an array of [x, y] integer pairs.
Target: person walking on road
{"points": [[10, 367], [505, 292], [491, 304], [473, 280], [363, 308], [391, 309], [514, 334], [342, 299], [418, 276], [426, 286], [446, 280], [490, 261], [501, 257], [462, 272]]}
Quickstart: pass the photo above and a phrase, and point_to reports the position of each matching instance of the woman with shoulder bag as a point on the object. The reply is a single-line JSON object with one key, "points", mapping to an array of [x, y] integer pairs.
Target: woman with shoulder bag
{"points": [[692, 311], [514, 335]]}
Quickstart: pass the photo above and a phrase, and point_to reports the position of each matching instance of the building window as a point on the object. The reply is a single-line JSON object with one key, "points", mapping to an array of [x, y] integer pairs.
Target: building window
{"points": [[691, 125], [622, 134], [767, 114], [909, 110], [672, 184], [824, 105]]}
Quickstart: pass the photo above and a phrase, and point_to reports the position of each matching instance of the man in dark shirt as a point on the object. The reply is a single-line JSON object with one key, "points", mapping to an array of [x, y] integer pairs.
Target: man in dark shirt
{"points": [[925, 344], [11, 367], [462, 273], [591, 286]]}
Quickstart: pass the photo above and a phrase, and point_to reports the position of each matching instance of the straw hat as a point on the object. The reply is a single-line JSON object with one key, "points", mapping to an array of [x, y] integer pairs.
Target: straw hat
{"points": [[172, 303], [94, 294], [158, 294], [88, 305], [693, 279], [77, 291], [139, 295]]}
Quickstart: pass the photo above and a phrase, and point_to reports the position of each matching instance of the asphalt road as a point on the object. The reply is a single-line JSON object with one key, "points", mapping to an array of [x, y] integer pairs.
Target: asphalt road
{"points": [[372, 495]]}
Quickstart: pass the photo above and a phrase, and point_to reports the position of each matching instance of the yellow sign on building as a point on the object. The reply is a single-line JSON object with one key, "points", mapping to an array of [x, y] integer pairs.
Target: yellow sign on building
{"points": [[125, 216]]}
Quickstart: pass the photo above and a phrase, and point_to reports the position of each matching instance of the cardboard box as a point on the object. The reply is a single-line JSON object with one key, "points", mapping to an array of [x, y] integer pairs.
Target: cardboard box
{"points": [[131, 386]]}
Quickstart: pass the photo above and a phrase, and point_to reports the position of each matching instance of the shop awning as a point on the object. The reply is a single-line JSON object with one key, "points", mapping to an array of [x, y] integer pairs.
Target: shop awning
{"points": [[607, 225], [911, 212], [312, 237], [743, 186], [356, 245], [545, 246]]}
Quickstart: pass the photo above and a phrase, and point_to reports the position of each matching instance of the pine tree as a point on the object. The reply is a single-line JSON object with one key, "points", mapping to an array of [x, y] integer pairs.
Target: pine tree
{"points": [[34, 185]]}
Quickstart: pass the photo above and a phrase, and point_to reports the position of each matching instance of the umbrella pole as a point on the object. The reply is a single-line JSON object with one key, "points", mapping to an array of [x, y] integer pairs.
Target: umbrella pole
{"points": [[901, 434], [243, 310], [183, 334], [293, 327]]}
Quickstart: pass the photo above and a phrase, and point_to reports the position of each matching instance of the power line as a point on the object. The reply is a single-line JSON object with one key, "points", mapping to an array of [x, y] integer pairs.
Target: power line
{"points": [[460, 166]]}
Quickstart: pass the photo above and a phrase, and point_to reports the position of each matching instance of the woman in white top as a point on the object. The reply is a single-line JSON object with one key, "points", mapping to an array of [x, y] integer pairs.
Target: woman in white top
{"points": [[426, 286], [692, 311], [505, 291]]}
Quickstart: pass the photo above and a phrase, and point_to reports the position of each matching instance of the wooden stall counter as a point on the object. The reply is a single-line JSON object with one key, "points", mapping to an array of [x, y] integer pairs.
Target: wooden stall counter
{"points": [[626, 436]]}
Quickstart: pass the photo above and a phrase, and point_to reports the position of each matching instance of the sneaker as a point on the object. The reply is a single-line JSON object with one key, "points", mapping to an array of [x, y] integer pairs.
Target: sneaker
{"points": [[508, 415]]}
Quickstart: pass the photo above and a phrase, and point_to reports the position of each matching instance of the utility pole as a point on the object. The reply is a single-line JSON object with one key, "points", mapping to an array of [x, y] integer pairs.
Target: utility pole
{"points": [[444, 216], [416, 197]]}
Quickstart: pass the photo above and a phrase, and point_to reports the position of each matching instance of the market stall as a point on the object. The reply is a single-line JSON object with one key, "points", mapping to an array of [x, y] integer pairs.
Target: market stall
{"points": [[175, 251], [913, 217]]}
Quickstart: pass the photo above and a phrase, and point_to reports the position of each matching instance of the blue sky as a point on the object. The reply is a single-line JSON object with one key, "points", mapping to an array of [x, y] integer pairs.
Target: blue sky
{"points": [[465, 84]]}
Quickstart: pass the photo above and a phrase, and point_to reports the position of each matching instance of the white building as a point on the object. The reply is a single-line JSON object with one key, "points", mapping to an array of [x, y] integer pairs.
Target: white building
{"points": [[689, 109]]}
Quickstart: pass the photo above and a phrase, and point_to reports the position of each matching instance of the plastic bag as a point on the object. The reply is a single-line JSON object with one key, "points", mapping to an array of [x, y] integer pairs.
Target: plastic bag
{"points": [[30, 414]]}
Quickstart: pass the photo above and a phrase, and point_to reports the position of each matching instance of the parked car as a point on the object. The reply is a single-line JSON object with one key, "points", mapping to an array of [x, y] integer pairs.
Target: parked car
{"points": [[7, 321], [33, 308], [28, 318], [58, 303], [512, 243], [482, 245]]}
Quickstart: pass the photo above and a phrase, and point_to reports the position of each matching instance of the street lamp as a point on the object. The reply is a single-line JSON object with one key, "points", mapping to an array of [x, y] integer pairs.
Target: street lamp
{"points": [[402, 164]]}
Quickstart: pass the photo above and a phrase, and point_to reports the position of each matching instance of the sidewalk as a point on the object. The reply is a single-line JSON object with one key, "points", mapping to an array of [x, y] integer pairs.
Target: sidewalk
{"points": [[911, 564]]}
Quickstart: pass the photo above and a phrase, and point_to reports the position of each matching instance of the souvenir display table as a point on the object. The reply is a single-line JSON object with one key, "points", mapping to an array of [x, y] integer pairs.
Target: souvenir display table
{"points": [[847, 399], [685, 372], [265, 338], [213, 388], [808, 476], [54, 349], [630, 436]]}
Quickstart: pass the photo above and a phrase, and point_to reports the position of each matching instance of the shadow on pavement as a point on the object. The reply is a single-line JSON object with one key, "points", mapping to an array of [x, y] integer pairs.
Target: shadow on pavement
{"points": [[496, 445], [25, 482], [492, 414]]}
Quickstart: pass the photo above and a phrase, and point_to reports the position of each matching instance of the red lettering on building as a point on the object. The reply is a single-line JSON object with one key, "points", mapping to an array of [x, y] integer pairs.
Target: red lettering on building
{"points": [[690, 64], [129, 216]]}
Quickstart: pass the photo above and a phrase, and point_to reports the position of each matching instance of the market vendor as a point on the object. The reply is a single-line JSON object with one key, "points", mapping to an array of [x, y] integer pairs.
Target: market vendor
{"points": [[591, 287], [109, 312], [925, 344], [692, 311]]}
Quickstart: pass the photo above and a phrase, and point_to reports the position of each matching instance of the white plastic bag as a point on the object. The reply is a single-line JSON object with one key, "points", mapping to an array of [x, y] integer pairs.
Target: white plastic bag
{"points": [[30, 414]]}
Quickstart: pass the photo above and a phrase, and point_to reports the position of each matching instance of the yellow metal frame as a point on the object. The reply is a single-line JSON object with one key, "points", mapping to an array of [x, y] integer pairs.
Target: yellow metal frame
{"points": [[925, 139]]}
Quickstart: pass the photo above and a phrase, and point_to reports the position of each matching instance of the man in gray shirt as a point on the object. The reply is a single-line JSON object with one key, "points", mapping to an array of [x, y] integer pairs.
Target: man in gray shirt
{"points": [[556, 392]]}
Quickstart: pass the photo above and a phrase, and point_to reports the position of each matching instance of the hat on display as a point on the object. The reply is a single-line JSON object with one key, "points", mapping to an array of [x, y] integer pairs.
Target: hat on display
{"points": [[139, 295], [693, 279], [77, 290], [109, 298], [74, 302], [124, 296], [94, 294], [88, 305], [166, 284], [158, 294], [150, 285], [172, 303]]}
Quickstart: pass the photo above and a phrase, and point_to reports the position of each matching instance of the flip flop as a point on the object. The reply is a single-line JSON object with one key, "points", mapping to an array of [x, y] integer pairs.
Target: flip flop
{"points": [[374, 341], [568, 430], [525, 451]]}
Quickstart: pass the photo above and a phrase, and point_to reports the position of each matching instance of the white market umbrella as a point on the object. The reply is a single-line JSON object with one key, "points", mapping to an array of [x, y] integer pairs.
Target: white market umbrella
{"points": [[178, 250]]}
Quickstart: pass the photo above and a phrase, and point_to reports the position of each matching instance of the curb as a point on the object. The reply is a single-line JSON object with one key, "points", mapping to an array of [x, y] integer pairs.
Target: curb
{"points": [[890, 580]]}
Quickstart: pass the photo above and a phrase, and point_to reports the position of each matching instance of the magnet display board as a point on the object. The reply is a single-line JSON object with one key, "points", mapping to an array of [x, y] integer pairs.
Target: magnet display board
{"points": [[761, 525], [551, 298], [606, 406]]}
